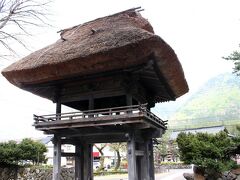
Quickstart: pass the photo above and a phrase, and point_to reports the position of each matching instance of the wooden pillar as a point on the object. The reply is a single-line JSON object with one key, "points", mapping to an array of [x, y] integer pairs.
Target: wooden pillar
{"points": [[56, 157], [79, 161], [139, 166], [58, 109], [151, 160], [144, 168], [129, 99], [131, 153], [84, 162], [147, 161], [129, 102], [58, 101], [87, 161], [91, 103]]}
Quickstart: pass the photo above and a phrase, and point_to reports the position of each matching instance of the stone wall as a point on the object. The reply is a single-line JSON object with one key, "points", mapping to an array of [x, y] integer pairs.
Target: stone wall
{"points": [[165, 168], [34, 173], [228, 175]]}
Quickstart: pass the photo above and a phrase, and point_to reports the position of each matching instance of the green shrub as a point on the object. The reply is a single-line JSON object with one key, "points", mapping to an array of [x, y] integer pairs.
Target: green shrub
{"points": [[25, 152], [209, 152]]}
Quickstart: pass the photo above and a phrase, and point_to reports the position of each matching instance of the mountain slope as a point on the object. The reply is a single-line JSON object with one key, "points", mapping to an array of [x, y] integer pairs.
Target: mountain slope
{"points": [[216, 103]]}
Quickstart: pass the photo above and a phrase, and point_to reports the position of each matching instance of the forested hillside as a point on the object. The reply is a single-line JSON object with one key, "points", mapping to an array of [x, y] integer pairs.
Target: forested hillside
{"points": [[216, 103]]}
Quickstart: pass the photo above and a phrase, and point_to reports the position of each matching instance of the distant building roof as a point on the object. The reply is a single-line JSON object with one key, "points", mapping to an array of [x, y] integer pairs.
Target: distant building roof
{"points": [[211, 130]]}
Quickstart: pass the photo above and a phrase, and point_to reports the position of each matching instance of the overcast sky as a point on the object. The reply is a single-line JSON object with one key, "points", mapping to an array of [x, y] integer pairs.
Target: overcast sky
{"points": [[200, 32]]}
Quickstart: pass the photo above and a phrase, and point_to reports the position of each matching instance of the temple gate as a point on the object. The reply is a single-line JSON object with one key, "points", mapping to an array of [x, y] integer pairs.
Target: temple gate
{"points": [[112, 71]]}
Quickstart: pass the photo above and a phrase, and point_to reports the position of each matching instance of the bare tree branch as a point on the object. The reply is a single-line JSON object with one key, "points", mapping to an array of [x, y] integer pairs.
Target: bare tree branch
{"points": [[16, 16]]}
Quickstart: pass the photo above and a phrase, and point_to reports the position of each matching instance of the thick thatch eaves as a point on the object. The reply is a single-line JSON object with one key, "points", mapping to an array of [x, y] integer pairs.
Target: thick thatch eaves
{"points": [[110, 43]]}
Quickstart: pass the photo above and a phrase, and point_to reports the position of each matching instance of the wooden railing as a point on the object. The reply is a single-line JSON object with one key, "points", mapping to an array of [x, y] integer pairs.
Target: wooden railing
{"points": [[116, 111], [156, 119]]}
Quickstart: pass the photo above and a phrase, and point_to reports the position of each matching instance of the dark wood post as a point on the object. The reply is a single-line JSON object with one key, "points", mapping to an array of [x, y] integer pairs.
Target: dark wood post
{"points": [[144, 168], [56, 157], [58, 102], [58, 109], [131, 153], [91, 103], [79, 162], [88, 161], [129, 102], [129, 99], [151, 160]]}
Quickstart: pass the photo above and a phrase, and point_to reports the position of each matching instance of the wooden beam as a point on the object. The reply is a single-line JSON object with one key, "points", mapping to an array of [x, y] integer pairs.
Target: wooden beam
{"points": [[139, 153], [134, 88], [104, 139], [142, 126], [95, 94], [85, 78], [97, 88], [92, 122], [106, 131], [66, 154]]}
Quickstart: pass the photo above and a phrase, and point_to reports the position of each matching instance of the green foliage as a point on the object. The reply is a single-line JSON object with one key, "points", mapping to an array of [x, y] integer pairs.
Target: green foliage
{"points": [[161, 150], [9, 153], [235, 57], [236, 139], [164, 148], [211, 152], [32, 151], [12, 153]]}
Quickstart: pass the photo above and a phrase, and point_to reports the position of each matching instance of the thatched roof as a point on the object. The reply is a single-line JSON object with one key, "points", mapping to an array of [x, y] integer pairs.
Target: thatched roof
{"points": [[114, 42]]}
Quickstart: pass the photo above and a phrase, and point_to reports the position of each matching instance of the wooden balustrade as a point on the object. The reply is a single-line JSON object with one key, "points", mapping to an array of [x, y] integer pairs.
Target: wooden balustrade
{"points": [[114, 112]]}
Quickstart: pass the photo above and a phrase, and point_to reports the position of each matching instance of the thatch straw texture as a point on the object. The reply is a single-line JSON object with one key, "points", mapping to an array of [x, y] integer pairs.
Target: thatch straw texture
{"points": [[114, 42]]}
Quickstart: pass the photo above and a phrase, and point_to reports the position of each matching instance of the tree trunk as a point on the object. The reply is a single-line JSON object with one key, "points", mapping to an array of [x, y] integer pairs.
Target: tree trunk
{"points": [[118, 160], [100, 149], [101, 160], [158, 158], [163, 158]]}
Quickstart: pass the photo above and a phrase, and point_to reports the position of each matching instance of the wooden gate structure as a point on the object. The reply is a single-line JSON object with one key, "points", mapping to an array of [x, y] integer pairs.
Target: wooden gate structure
{"points": [[112, 70]]}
